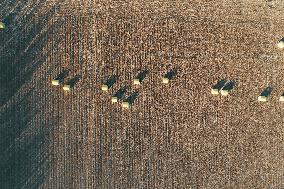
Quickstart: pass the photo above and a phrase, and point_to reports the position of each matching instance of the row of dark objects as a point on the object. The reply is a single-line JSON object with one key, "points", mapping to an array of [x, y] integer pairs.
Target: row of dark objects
{"points": [[120, 94], [224, 87], [68, 85], [109, 82]]}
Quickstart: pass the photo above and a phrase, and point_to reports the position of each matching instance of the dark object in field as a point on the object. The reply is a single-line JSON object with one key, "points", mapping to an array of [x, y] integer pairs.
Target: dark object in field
{"points": [[119, 94], [130, 100], [71, 83], [109, 82], [60, 78], [229, 85], [169, 75], [264, 94], [141, 76], [218, 86]]}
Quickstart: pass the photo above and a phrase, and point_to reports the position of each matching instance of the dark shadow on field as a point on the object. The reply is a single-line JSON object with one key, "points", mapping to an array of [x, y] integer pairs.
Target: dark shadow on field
{"points": [[141, 76], [60, 77], [22, 155], [110, 81], [170, 74], [267, 91], [73, 81], [219, 84], [229, 85], [132, 98], [121, 92]]}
